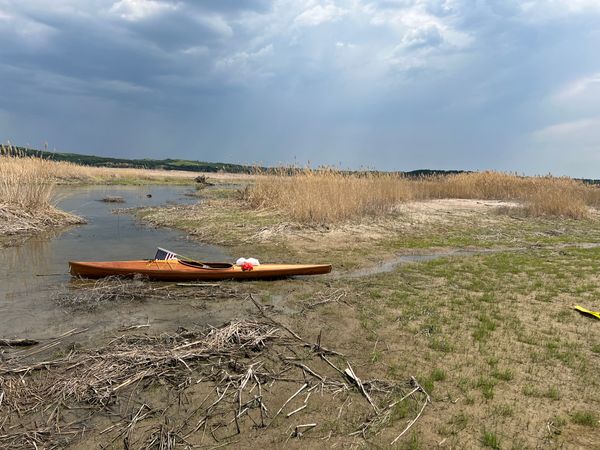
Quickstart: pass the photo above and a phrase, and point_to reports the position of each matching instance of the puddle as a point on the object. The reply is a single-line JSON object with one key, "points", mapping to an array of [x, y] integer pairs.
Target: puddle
{"points": [[34, 271], [390, 265]]}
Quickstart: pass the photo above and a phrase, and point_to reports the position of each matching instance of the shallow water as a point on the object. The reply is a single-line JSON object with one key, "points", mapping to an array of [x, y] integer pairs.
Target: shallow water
{"points": [[34, 271], [391, 264]]}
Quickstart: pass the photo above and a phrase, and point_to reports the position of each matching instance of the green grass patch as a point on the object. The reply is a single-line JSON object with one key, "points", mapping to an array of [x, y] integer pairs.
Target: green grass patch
{"points": [[441, 345], [486, 385], [585, 418], [438, 375], [490, 440], [503, 410], [504, 375], [552, 393], [460, 421]]}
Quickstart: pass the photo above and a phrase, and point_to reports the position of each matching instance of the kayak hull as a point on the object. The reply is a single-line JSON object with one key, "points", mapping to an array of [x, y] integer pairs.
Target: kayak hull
{"points": [[173, 270]]}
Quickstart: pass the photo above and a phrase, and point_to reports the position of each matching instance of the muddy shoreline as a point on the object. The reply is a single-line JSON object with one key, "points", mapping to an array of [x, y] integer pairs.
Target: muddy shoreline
{"points": [[18, 225]]}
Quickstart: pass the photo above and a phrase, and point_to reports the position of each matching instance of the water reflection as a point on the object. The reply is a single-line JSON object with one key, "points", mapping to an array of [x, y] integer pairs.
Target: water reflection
{"points": [[33, 271]]}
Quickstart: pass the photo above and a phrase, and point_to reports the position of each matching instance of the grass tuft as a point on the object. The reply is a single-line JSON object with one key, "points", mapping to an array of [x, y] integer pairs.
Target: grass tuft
{"points": [[585, 418], [490, 440], [504, 375], [438, 375]]}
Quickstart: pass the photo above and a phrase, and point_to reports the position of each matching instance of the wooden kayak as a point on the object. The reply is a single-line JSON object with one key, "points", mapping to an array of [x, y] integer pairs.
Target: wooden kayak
{"points": [[176, 270]]}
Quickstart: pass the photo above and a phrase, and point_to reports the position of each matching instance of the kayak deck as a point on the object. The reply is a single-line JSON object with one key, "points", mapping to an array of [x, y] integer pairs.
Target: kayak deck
{"points": [[174, 270]]}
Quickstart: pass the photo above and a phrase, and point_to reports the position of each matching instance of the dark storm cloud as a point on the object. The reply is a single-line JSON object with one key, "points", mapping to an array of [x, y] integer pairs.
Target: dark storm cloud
{"points": [[392, 84]]}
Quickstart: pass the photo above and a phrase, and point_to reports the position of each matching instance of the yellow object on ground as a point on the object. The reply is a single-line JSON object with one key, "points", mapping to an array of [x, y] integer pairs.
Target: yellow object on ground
{"points": [[587, 312]]}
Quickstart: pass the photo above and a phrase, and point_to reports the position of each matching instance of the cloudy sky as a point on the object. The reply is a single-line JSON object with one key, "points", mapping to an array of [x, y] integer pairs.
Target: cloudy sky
{"points": [[386, 84]]}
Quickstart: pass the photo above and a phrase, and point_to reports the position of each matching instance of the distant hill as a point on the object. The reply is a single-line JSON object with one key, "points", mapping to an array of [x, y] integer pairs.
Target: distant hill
{"points": [[202, 166], [180, 164], [164, 164]]}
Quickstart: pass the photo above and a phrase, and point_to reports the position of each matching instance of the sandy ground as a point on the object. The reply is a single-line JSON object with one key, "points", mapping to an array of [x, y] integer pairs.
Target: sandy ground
{"points": [[405, 217]]}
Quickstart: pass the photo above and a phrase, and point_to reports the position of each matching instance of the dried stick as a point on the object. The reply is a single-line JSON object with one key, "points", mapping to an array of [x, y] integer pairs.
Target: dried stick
{"points": [[17, 342], [306, 426], [304, 386], [350, 374], [296, 410], [412, 422]]}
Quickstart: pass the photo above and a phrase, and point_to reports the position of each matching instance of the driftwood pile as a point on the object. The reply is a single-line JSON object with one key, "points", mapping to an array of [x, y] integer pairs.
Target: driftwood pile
{"points": [[191, 388], [90, 294]]}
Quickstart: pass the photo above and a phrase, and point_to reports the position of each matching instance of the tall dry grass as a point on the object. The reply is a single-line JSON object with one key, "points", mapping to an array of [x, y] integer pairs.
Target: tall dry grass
{"points": [[324, 196], [26, 186], [67, 172], [26, 182], [328, 195]]}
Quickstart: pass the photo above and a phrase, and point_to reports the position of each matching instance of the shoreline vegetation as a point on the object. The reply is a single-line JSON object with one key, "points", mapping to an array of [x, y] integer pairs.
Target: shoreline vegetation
{"points": [[286, 197], [330, 196], [26, 186], [478, 351]]}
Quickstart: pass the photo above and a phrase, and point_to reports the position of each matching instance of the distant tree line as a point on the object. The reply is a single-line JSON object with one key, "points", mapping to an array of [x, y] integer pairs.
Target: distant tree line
{"points": [[201, 166]]}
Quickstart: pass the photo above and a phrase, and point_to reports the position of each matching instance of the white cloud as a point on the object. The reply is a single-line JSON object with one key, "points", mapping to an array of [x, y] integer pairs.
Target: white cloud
{"points": [[417, 27], [245, 57], [197, 50], [573, 6], [120, 87], [26, 31], [541, 10], [340, 44], [579, 97], [135, 10], [246, 66], [570, 147], [319, 14], [569, 130], [422, 37], [579, 87], [215, 23]]}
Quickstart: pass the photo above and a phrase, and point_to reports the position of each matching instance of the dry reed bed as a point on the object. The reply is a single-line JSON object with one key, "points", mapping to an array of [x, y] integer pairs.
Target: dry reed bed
{"points": [[26, 186], [246, 365], [325, 196], [67, 172]]}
